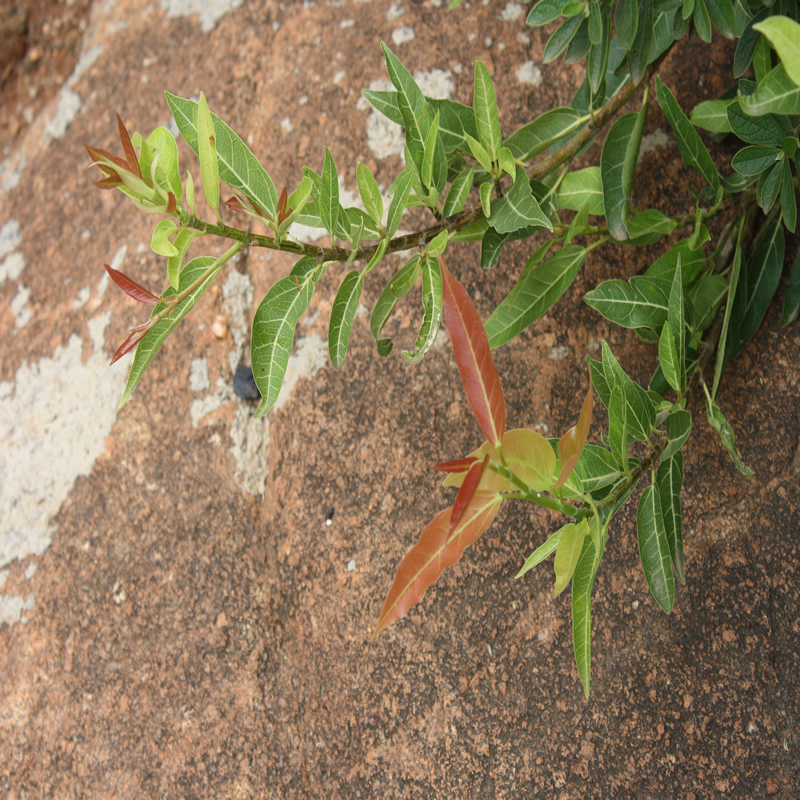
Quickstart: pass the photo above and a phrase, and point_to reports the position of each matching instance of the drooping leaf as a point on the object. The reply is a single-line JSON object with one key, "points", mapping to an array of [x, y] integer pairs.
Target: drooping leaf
{"points": [[436, 550], [493, 242], [734, 294], [640, 52], [712, 115], [538, 289], [131, 288], [776, 94], [626, 19], [559, 41], [474, 358], [159, 242], [677, 325], [542, 132], [237, 165], [582, 584], [194, 271], [648, 226], [654, 550], [693, 152], [769, 185], [182, 243], [678, 426], [207, 153], [466, 492], [570, 547], [343, 312], [783, 34], [707, 296], [717, 420], [669, 480], [273, 329], [570, 445], [540, 553], [432, 309], [399, 285]]}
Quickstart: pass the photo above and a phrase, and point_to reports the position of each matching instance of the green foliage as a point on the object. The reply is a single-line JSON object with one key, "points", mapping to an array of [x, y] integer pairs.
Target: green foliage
{"points": [[702, 300]]}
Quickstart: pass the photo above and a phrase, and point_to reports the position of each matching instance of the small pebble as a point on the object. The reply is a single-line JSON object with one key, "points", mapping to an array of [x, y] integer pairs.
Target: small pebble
{"points": [[219, 328]]}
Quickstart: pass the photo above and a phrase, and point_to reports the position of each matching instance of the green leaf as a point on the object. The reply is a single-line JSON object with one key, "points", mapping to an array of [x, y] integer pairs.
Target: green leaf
{"points": [[479, 151], [788, 199], [639, 55], [706, 297], [716, 419], [492, 243], [763, 130], [538, 289], [642, 303], [747, 44], [506, 162], [626, 19], [486, 198], [159, 161], [712, 115], [343, 312], [207, 152], [544, 131], [570, 547], [678, 426], [237, 165], [733, 296], [487, 117], [663, 268], [581, 187], [763, 277], [702, 21], [402, 188], [617, 165], [776, 94], [722, 16], [160, 243], [432, 310], [677, 323], [328, 203], [545, 11], [597, 63], [582, 584], [154, 338], [640, 414], [459, 192], [182, 242], [648, 226], [540, 553], [791, 299], [370, 193], [753, 160], [769, 185], [618, 437], [654, 551], [400, 285], [434, 162], [668, 357], [518, 208], [669, 480], [596, 468], [558, 42], [784, 35], [691, 147], [273, 329], [412, 104]]}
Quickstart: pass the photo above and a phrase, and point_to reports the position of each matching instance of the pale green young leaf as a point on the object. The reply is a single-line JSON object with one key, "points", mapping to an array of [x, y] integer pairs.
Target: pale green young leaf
{"points": [[776, 94], [237, 165], [190, 192], [581, 187], [182, 242], [540, 553], [716, 419], [669, 480], [343, 313], [402, 188], [506, 161], [154, 338], [654, 551], [376, 256], [328, 204], [159, 161], [207, 153], [542, 132], [783, 34], [438, 244], [432, 305], [159, 242], [538, 289], [370, 193], [668, 357], [479, 151], [712, 115], [459, 192], [518, 208], [434, 162], [678, 426], [273, 329], [570, 546], [582, 584], [693, 152], [677, 323], [405, 278], [486, 198], [487, 118], [579, 221]]}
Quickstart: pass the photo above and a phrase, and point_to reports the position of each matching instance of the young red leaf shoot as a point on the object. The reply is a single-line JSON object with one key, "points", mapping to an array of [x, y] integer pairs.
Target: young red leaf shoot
{"points": [[474, 358], [570, 445], [127, 147], [134, 337], [131, 288], [467, 492], [457, 465]]}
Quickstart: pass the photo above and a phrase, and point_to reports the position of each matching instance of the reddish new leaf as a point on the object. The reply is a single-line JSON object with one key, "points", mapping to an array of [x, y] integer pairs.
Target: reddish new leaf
{"points": [[457, 465], [100, 157], [134, 337], [131, 288], [436, 550], [474, 358], [127, 147], [570, 445], [467, 492]]}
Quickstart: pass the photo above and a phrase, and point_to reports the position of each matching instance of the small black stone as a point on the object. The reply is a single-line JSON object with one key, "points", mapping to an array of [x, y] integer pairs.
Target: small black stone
{"points": [[244, 384]]}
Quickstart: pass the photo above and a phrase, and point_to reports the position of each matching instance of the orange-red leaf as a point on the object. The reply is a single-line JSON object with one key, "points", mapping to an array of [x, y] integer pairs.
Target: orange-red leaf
{"points": [[127, 147], [457, 465], [467, 492], [570, 445], [436, 550], [131, 288], [133, 339], [474, 358]]}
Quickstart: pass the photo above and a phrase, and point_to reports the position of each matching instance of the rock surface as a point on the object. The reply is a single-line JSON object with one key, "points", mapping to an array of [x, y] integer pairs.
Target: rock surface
{"points": [[176, 617]]}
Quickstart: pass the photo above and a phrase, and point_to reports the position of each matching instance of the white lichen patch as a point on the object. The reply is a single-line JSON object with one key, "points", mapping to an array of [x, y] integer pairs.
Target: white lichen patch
{"points": [[20, 307], [198, 375], [652, 141], [402, 35], [54, 419], [10, 237], [529, 73], [209, 11], [511, 12]]}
